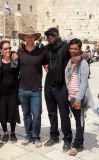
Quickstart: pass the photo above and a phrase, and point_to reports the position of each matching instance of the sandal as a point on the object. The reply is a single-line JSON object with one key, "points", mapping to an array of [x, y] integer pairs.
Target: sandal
{"points": [[73, 152], [38, 144]]}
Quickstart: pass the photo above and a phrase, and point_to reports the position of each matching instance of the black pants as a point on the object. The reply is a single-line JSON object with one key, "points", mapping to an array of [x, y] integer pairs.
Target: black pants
{"points": [[79, 118], [58, 98]]}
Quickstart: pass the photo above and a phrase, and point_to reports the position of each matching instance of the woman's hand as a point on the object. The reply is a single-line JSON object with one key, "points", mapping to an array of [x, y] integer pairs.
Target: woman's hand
{"points": [[77, 106], [14, 56]]}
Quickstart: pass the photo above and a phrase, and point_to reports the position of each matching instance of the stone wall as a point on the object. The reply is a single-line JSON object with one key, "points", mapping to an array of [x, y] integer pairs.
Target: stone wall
{"points": [[74, 18]]}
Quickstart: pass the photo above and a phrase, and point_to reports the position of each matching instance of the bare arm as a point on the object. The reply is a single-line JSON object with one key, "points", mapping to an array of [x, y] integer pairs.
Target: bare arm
{"points": [[46, 67]]}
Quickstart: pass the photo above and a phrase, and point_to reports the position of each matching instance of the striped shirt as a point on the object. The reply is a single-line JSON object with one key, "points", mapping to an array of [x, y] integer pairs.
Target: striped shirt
{"points": [[73, 85]]}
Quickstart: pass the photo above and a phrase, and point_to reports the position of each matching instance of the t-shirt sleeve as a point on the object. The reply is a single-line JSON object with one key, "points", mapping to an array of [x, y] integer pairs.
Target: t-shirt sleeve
{"points": [[44, 60]]}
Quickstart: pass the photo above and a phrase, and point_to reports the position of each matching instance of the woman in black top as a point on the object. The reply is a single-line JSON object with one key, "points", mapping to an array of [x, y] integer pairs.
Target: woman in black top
{"points": [[8, 91]]}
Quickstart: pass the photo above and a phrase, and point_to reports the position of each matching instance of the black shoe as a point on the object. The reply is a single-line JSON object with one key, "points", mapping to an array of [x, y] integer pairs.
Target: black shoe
{"points": [[79, 148], [51, 142], [5, 138], [66, 146], [13, 138]]}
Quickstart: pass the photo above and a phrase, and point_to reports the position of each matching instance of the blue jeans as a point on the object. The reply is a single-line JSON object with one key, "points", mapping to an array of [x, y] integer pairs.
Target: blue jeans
{"points": [[31, 103]]}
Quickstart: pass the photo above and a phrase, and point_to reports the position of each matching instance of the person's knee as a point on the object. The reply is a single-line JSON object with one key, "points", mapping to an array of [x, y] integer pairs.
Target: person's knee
{"points": [[52, 114], [37, 115], [26, 114]]}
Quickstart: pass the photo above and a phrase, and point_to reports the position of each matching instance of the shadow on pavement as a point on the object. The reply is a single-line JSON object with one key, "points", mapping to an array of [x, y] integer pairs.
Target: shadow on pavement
{"points": [[1, 144], [91, 141]]}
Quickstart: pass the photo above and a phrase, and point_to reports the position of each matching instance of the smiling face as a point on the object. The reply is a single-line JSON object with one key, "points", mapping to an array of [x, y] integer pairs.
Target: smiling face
{"points": [[6, 50], [74, 50], [29, 39]]}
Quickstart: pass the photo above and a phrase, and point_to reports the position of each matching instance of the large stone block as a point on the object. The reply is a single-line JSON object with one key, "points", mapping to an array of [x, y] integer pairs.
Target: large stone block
{"points": [[73, 18]]}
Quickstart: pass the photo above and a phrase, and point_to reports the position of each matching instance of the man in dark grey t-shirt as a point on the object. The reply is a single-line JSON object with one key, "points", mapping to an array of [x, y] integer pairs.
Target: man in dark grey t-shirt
{"points": [[31, 59]]}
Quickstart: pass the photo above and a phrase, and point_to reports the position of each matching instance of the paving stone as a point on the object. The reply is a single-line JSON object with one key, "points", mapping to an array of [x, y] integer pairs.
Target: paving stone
{"points": [[20, 130], [55, 155], [10, 151], [58, 146], [90, 156], [32, 156]]}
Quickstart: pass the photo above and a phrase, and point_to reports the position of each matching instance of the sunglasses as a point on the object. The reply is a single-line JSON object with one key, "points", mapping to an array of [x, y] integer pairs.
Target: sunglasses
{"points": [[8, 48]]}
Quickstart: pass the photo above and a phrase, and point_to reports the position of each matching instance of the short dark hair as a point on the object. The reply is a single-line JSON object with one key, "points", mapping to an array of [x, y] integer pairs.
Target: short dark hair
{"points": [[3, 42], [51, 30], [76, 41]]}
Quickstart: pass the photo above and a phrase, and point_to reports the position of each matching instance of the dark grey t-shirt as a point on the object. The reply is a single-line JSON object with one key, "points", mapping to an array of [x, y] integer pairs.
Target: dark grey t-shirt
{"points": [[30, 77]]}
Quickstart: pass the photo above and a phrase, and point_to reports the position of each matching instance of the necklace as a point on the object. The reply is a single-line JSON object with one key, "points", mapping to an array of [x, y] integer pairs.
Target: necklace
{"points": [[52, 67]]}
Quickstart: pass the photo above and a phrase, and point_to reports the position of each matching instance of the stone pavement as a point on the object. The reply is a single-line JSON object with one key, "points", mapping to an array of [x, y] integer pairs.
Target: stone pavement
{"points": [[16, 151]]}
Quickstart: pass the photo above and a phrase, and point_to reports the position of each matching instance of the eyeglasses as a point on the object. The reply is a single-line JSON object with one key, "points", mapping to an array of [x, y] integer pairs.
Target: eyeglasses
{"points": [[8, 48]]}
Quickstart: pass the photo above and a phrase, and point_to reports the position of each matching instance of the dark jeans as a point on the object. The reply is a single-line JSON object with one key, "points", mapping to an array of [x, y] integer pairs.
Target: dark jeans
{"points": [[58, 98], [79, 118], [32, 108]]}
